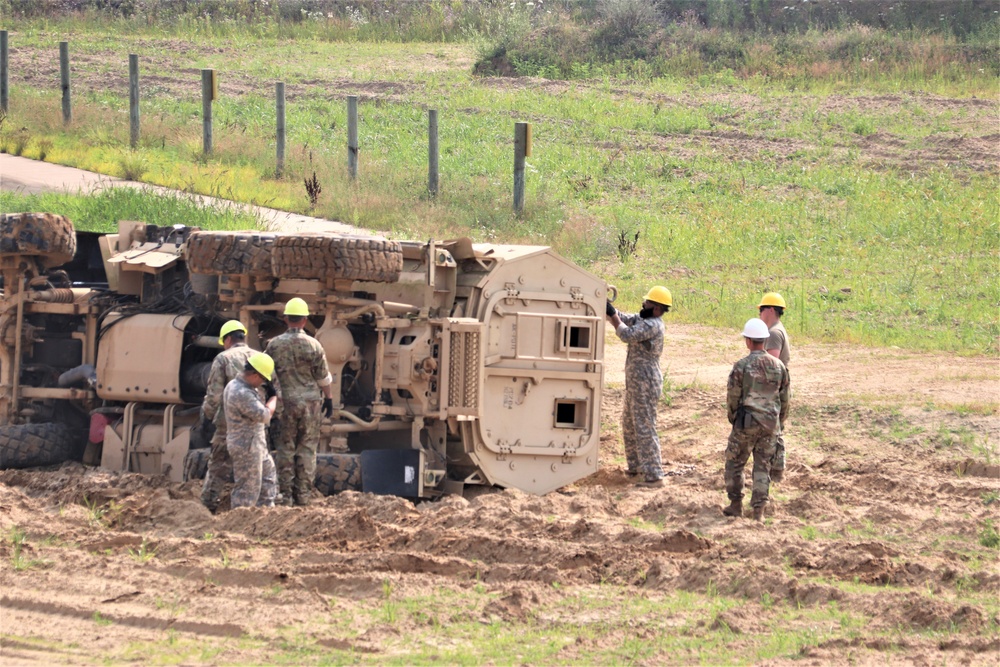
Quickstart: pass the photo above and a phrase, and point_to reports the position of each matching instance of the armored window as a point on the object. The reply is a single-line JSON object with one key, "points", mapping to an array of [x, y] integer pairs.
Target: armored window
{"points": [[571, 413], [575, 336]]}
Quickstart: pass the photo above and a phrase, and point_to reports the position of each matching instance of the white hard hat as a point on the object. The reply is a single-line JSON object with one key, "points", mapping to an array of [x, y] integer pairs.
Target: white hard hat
{"points": [[755, 329]]}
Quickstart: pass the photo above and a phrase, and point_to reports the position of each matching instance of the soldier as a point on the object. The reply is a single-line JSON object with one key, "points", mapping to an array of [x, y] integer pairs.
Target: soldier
{"points": [[771, 308], [301, 367], [247, 417], [643, 382], [757, 399], [226, 366]]}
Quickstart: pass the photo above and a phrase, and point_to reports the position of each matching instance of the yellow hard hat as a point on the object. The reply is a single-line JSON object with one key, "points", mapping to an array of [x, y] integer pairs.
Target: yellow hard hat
{"points": [[297, 307], [263, 364], [772, 299], [660, 295], [228, 328]]}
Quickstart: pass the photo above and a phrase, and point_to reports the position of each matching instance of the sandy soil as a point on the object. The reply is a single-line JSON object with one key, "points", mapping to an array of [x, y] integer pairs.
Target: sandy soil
{"points": [[892, 479]]}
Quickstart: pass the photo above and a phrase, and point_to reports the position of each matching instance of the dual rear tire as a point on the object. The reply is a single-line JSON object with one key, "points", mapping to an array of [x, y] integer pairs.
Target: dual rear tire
{"points": [[294, 256]]}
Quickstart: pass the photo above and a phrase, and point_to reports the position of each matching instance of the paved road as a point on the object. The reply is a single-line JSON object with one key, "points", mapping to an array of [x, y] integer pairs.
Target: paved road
{"points": [[20, 174]]}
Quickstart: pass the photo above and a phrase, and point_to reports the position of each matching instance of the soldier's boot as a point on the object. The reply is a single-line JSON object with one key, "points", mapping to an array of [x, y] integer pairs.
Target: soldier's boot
{"points": [[758, 513], [735, 508], [777, 476], [303, 497]]}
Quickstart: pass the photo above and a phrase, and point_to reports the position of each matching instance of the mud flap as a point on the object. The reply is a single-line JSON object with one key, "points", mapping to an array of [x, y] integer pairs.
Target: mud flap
{"points": [[392, 472]]}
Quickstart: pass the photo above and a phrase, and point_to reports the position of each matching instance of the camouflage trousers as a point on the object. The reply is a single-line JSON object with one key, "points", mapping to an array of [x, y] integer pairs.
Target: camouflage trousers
{"points": [[220, 472], [295, 449], [742, 443], [642, 444], [255, 478]]}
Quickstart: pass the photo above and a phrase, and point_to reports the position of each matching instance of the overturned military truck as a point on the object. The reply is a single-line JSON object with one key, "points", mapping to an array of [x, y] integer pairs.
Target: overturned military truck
{"points": [[454, 363]]}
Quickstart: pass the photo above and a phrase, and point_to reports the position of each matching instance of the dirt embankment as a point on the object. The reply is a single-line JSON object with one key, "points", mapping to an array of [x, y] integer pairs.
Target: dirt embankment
{"points": [[875, 549]]}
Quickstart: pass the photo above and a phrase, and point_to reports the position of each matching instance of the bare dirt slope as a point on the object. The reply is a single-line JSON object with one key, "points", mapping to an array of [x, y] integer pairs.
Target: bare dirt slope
{"points": [[878, 547]]}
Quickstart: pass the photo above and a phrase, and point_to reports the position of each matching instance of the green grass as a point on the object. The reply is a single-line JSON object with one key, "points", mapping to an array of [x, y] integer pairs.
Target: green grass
{"points": [[595, 625], [18, 540], [866, 249], [144, 553], [101, 212]]}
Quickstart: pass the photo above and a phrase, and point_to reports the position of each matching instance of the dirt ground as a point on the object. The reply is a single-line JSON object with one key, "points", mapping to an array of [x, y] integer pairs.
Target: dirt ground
{"points": [[875, 549]]}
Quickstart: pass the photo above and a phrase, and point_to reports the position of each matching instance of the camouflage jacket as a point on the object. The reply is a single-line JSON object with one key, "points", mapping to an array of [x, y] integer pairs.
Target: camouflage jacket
{"points": [[645, 344], [226, 367], [759, 384], [778, 340], [300, 365], [246, 415]]}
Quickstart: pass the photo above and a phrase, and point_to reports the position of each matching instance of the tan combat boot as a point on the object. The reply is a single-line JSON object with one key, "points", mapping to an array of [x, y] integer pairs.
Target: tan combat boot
{"points": [[735, 508], [758, 513]]}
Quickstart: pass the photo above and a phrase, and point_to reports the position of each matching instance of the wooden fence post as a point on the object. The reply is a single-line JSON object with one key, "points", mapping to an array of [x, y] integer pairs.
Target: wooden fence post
{"points": [[432, 152], [352, 137], [133, 100], [279, 94], [4, 82], [207, 95], [522, 148], [67, 108]]}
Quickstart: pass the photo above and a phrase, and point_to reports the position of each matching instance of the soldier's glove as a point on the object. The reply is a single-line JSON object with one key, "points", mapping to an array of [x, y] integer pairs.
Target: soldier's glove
{"points": [[269, 391], [327, 407], [610, 310]]}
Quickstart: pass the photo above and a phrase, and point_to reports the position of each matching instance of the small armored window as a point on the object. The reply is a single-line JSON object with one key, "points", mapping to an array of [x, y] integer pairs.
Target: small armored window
{"points": [[579, 337], [575, 336], [570, 413]]}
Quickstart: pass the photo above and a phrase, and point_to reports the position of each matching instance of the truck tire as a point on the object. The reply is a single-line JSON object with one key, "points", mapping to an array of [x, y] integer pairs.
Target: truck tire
{"points": [[337, 472], [33, 445], [230, 253], [311, 256], [47, 236]]}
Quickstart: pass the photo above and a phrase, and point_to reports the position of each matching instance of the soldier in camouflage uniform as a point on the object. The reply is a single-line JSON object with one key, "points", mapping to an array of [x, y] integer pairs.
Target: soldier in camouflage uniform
{"points": [[226, 366], [771, 308], [757, 401], [301, 368], [643, 382], [247, 417]]}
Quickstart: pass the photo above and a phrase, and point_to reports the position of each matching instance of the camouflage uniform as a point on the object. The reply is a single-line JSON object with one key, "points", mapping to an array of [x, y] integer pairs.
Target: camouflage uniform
{"points": [[643, 388], [226, 366], [758, 383], [300, 365], [246, 439], [778, 340]]}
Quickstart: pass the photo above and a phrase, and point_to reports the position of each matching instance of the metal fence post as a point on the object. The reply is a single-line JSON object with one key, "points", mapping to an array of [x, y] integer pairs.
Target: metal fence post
{"points": [[133, 100], [432, 152], [520, 151], [4, 80], [207, 88], [67, 108], [279, 94], [352, 137]]}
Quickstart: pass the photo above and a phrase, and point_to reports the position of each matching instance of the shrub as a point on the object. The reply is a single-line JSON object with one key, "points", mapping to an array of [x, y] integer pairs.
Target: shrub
{"points": [[44, 146], [19, 141], [132, 166]]}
